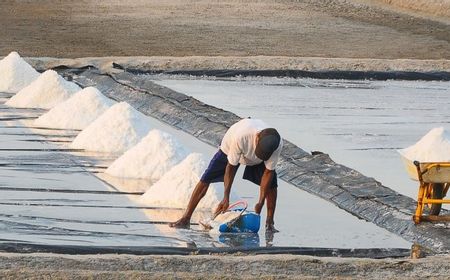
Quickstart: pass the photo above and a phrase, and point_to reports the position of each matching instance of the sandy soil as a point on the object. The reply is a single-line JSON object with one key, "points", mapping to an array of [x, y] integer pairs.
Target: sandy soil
{"points": [[164, 63], [435, 8], [52, 266], [308, 28]]}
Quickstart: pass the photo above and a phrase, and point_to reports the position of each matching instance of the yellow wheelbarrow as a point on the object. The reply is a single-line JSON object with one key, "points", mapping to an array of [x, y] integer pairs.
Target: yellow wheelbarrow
{"points": [[434, 182]]}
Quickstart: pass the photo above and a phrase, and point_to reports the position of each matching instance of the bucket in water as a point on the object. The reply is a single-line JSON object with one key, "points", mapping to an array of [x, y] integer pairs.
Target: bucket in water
{"points": [[244, 221]]}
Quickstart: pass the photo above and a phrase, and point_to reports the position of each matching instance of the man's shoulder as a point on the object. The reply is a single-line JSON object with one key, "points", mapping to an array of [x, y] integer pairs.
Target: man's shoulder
{"points": [[240, 131], [250, 123]]}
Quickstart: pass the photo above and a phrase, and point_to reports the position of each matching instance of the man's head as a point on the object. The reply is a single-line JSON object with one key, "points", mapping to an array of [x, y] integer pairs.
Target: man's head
{"points": [[267, 142]]}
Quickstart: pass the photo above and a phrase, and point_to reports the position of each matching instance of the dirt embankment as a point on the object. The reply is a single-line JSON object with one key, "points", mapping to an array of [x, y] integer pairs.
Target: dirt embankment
{"points": [[46, 266], [308, 28], [165, 63]]}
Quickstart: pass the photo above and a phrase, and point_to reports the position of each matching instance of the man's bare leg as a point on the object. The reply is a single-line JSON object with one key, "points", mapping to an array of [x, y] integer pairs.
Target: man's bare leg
{"points": [[199, 192], [271, 200]]}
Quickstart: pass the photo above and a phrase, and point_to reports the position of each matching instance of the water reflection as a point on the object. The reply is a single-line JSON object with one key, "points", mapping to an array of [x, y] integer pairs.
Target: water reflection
{"points": [[244, 240], [269, 238]]}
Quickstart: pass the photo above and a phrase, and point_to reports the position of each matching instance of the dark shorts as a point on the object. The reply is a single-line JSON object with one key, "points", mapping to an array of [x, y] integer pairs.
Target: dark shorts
{"points": [[216, 171]]}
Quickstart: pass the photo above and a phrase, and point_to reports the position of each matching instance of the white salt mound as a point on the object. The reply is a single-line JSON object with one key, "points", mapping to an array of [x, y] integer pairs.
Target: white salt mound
{"points": [[433, 147], [78, 111], [48, 90], [150, 159], [15, 73], [175, 187], [115, 131]]}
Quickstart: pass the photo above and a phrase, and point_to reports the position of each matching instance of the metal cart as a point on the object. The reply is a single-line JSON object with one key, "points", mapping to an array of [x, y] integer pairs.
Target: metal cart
{"points": [[434, 182]]}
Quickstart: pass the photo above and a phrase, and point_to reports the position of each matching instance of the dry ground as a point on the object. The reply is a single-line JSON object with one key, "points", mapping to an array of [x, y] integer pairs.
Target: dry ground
{"points": [[308, 28], [438, 8], [50, 266]]}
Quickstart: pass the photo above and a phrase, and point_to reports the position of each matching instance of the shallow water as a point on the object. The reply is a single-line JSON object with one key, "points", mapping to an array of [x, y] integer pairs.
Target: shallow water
{"points": [[360, 124], [42, 212], [51, 197]]}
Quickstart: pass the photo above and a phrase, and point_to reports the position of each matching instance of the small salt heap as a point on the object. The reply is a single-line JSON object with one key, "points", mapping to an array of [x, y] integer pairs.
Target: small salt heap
{"points": [[175, 187], [77, 112], [150, 159], [214, 224], [15, 73], [48, 90], [433, 147], [115, 131]]}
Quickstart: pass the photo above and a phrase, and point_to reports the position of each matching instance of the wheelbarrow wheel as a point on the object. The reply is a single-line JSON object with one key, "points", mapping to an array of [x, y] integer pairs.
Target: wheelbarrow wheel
{"points": [[438, 193]]}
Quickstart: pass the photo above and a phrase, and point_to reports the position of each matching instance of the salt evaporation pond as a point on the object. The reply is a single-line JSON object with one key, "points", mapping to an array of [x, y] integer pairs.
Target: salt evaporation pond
{"points": [[303, 220], [360, 124]]}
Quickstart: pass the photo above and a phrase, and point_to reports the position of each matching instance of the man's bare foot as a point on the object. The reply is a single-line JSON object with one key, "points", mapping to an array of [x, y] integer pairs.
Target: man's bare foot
{"points": [[181, 223], [271, 228]]}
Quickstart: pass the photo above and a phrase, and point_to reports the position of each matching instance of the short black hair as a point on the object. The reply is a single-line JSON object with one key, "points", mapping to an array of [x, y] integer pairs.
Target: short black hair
{"points": [[269, 140]]}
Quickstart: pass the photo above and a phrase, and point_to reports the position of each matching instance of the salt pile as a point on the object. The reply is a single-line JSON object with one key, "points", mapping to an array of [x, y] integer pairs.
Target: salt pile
{"points": [[150, 159], [175, 187], [15, 73], [48, 90], [77, 112], [433, 147], [116, 130]]}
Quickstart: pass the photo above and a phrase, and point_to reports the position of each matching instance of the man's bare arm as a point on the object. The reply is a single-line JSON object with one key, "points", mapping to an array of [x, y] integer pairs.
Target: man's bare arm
{"points": [[230, 173], [266, 180]]}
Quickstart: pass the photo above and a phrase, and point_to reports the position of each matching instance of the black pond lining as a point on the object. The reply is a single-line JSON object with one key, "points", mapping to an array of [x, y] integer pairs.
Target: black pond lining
{"points": [[374, 253], [326, 74]]}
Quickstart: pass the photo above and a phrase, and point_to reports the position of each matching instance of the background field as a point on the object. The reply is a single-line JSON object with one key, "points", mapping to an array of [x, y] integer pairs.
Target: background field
{"points": [[309, 28]]}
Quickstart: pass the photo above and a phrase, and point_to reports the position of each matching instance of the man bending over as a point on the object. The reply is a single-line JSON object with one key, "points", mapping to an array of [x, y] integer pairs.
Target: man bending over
{"points": [[249, 142]]}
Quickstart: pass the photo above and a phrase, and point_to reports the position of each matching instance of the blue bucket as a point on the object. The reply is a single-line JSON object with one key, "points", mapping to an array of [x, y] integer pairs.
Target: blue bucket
{"points": [[251, 222], [247, 222]]}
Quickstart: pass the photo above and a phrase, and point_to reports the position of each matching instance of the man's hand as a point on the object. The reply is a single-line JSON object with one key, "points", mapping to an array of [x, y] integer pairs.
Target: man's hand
{"points": [[258, 207], [222, 207]]}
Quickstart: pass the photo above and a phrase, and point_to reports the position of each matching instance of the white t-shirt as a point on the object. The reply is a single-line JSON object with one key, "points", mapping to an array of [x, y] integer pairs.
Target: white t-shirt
{"points": [[239, 144]]}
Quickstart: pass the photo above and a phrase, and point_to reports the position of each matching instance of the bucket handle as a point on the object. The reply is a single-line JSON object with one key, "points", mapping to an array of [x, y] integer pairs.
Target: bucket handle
{"points": [[240, 202]]}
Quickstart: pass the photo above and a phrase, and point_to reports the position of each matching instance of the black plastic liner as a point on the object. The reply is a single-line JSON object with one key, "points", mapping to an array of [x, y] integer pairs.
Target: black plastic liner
{"points": [[333, 75], [374, 253]]}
